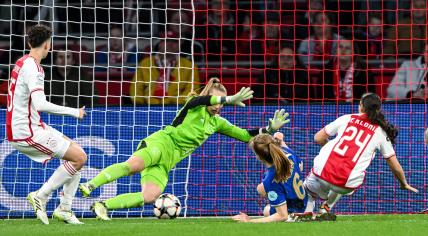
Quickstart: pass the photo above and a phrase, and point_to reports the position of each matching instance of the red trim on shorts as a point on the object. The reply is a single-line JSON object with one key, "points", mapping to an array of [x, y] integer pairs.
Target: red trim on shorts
{"points": [[39, 147]]}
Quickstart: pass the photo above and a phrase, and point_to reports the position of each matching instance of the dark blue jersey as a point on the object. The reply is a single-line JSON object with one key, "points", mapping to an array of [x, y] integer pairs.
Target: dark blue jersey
{"points": [[291, 191]]}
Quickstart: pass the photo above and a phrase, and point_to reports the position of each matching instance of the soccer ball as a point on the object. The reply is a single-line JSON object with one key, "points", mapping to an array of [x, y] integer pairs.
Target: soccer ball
{"points": [[167, 206]]}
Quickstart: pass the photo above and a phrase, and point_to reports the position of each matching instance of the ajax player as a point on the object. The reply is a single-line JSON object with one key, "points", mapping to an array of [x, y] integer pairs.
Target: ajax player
{"points": [[158, 153], [28, 134], [281, 184], [340, 165]]}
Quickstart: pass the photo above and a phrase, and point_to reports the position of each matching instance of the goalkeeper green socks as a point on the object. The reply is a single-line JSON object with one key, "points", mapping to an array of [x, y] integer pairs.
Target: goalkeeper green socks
{"points": [[111, 174], [126, 200]]}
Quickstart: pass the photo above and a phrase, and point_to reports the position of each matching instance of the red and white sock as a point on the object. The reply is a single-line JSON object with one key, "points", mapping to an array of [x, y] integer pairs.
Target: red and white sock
{"points": [[62, 175]]}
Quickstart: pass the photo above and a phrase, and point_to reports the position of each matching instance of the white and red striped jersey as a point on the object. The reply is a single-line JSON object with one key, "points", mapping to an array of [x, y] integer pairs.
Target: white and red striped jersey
{"points": [[343, 160], [22, 119], [26, 98]]}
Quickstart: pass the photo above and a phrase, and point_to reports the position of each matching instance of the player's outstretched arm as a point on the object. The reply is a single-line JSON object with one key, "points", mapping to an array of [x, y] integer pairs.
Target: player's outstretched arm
{"points": [[237, 99], [42, 105], [398, 172], [280, 215], [226, 128], [321, 137], [209, 100]]}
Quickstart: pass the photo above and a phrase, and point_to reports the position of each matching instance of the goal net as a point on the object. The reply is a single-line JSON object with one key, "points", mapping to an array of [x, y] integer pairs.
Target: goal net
{"points": [[132, 64]]}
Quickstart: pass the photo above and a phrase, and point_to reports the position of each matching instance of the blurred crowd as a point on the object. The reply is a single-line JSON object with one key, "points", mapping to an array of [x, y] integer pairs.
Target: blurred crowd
{"points": [[287, 51]]}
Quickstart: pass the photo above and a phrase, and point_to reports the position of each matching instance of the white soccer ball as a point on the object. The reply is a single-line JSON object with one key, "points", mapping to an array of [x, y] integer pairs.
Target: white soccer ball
{"points": [[167, 206]]}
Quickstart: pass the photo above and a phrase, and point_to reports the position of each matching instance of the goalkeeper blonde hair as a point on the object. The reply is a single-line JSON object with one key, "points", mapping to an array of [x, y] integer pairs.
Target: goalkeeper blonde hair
{"points": [[213, 83]]}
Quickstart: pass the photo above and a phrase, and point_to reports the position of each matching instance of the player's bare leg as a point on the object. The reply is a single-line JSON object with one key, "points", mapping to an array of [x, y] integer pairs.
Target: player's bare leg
{"points": [[74, 159], [150, 192], [63, 212], [133, 165]]}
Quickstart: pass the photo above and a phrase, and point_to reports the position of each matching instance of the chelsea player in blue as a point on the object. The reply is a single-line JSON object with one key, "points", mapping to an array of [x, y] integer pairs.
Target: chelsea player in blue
{"points": [[282, 184]]}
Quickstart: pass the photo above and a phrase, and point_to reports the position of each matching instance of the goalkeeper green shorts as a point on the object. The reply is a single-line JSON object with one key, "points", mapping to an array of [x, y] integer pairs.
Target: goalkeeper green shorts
{"points": [[160, 155]]}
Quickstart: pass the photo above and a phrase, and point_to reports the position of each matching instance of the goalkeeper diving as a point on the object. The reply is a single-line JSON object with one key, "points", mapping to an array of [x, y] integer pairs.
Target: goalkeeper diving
{"points": [[158, 153]]}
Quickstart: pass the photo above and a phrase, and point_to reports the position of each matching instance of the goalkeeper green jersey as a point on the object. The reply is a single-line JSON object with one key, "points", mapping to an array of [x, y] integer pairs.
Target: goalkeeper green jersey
{"points": [[194, 124]]}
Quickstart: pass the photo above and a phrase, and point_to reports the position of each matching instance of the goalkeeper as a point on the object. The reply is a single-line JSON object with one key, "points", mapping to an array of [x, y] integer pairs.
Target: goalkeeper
{"points": [[157, 154]]}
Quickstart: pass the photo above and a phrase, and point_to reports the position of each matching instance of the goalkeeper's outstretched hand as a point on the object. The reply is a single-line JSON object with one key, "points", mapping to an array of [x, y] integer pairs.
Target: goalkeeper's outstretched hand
{"points": [[279, 119], [238, 98]]}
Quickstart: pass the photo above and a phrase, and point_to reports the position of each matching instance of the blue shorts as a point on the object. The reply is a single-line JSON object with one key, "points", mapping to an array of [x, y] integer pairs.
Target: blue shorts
{"points": [[293, 206]]}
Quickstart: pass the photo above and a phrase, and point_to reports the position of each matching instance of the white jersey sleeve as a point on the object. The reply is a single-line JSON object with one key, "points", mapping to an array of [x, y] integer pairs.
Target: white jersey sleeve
{"points": [[39, 101], [332, 128], [35, 80], [386, 148]]}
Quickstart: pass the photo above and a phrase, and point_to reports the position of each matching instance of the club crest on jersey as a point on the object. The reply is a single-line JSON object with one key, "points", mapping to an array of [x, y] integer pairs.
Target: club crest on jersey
{"points": [[272, 195]]}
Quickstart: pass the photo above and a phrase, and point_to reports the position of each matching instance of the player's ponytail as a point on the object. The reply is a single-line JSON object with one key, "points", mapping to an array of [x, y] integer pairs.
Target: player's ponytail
{"points": [[283, 165], [372, 107], [269, 150]]}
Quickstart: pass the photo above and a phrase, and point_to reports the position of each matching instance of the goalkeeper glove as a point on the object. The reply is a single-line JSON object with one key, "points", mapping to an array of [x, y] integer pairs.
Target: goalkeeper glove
{"points": [[238, 98], [279, 120]]}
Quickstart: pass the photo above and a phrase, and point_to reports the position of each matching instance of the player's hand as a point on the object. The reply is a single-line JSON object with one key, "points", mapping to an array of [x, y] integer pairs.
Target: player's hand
{"points": [[238, 98], [242, 217], [410, 188], [82, 113], [280, 137], [279, 119]]}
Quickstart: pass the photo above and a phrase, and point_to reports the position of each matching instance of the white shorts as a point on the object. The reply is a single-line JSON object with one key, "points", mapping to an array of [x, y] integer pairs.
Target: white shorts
{"points": [[319, 188], [44, 145]]}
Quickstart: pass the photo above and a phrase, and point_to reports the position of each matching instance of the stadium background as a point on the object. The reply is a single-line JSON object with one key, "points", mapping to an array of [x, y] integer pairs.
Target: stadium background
{"points": [[221, 176]]}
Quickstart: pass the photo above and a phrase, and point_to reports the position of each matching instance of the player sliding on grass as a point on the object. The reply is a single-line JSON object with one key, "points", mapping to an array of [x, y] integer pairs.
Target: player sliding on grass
{"points": [[157, 154], [340, 165], [28, 134], [281, 183]]}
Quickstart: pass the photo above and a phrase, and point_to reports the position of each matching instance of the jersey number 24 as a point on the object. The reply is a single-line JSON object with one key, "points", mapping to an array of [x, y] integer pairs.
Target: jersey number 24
{"points": [[352, 143]]}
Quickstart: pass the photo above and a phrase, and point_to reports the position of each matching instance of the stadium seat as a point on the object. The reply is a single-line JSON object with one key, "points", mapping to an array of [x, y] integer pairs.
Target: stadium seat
{"points": [[114, 90]]}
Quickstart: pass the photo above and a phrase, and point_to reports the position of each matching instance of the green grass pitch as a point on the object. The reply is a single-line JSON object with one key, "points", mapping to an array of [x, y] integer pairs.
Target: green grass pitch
{"points": [[345, 225]]}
